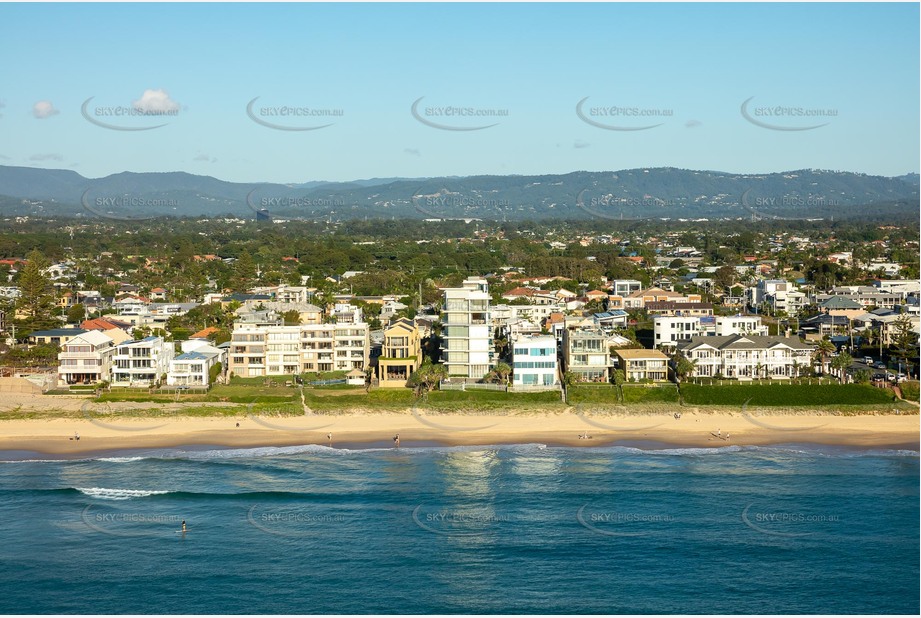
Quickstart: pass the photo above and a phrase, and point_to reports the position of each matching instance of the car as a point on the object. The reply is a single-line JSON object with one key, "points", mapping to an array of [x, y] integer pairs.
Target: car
{"points": [[890, 376], [868, 360], [879, 377], [880, 365]]}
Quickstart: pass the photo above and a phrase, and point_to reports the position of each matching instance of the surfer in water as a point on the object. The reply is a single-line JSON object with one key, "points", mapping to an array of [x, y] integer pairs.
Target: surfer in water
{"points": [[183, 527]]}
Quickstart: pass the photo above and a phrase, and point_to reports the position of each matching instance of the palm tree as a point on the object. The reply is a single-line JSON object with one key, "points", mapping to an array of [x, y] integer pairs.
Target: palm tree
{"points": [[683, 366], [840, 363], [825, 349]]}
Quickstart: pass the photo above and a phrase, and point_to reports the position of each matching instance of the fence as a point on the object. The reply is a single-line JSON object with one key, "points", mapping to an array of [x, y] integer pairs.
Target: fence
{"points": [[725, 382], [472, 386]]}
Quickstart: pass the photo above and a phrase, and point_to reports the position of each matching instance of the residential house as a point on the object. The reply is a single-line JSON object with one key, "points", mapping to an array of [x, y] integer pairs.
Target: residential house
{"points": [[641, 364], [141, 362], [534, 361], [747, 356], [679, 309], [85, 358], [586, 354], [616, 318], [54, 336], [401, 354], [192, 367]]}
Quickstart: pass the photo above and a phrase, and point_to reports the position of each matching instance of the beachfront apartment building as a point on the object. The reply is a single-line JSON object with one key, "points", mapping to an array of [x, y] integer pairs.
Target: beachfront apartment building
{"points": [[467, 346], [141, 362], [534, 361], [641, 364], [586, 353], [747, 356], [261, 349], [401, 354], [193, 366], [85, 359]]}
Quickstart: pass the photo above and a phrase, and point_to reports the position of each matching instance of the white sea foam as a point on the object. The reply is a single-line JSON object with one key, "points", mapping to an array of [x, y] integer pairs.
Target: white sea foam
{"points": [[120, 459], [106, 493]]}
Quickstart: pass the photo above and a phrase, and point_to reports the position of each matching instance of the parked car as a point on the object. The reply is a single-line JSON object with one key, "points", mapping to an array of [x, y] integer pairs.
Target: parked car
{"points": [[868, 360], [879, 377], [880, 365]]}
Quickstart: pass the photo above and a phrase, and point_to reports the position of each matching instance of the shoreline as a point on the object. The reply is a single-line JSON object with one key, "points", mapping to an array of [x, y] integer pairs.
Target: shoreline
{"points": [[696, 429]]}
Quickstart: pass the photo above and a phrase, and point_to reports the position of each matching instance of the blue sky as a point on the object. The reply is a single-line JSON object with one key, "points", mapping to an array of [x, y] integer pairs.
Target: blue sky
{"points": [[688, 68]]}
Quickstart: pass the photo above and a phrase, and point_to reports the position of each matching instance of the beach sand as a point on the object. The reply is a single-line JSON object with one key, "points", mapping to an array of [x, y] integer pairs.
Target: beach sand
{"points": [[696, 428]]}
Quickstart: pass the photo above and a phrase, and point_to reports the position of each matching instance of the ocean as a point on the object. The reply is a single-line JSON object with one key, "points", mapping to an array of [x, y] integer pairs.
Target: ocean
{"points": [[430, 529]]}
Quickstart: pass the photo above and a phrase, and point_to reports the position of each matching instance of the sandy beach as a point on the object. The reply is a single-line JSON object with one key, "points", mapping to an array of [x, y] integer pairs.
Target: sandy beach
{"points": [[695, 427]]}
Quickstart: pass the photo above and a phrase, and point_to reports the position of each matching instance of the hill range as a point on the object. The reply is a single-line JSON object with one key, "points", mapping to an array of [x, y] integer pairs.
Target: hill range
{"points": [[667, 193]]}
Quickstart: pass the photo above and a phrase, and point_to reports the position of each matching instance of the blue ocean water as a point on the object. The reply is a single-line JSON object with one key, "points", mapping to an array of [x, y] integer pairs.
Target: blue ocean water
{"points": [[505, 529]]}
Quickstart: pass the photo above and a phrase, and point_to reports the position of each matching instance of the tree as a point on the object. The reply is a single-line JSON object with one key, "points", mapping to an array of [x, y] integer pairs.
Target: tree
{"points": [[427, 377], [825, 349], [500, 374], [905, 342], [292, 317], [76, 314], [36, 301], [840, 363], [683, 366], [570, 378], [725, 277]]}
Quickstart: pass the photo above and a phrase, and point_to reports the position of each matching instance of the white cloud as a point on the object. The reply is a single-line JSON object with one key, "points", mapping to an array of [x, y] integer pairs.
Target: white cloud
{"points": [[44, 109], [47, 157], [156, 102], [205, 158]]}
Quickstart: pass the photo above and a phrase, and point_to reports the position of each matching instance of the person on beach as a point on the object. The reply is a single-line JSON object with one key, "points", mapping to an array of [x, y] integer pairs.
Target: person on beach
{"points": [[76, 436], [719, 434], [396, 439], [329, 438]]}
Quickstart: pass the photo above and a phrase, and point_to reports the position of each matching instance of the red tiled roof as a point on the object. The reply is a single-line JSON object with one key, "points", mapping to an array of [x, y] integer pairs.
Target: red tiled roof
{"points": [[204, 333]]}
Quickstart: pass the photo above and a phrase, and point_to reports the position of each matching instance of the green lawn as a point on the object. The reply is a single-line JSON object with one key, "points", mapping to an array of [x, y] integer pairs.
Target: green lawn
{"points": [[910, 390], [666, 393], [785, 395]]}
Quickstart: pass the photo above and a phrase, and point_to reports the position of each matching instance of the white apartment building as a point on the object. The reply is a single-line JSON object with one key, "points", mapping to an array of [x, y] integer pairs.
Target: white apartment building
{"points": [[625, 287], [747, 356], [502, 314], [141, 362], [534, 361], [467, 347], [85, 359], [739, 325], [259, 349], [668, 330], [193, 366], [779, 294]]}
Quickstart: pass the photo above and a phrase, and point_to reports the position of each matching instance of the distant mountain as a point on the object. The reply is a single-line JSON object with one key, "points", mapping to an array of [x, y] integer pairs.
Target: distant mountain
{"points": [[628, 194]]}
